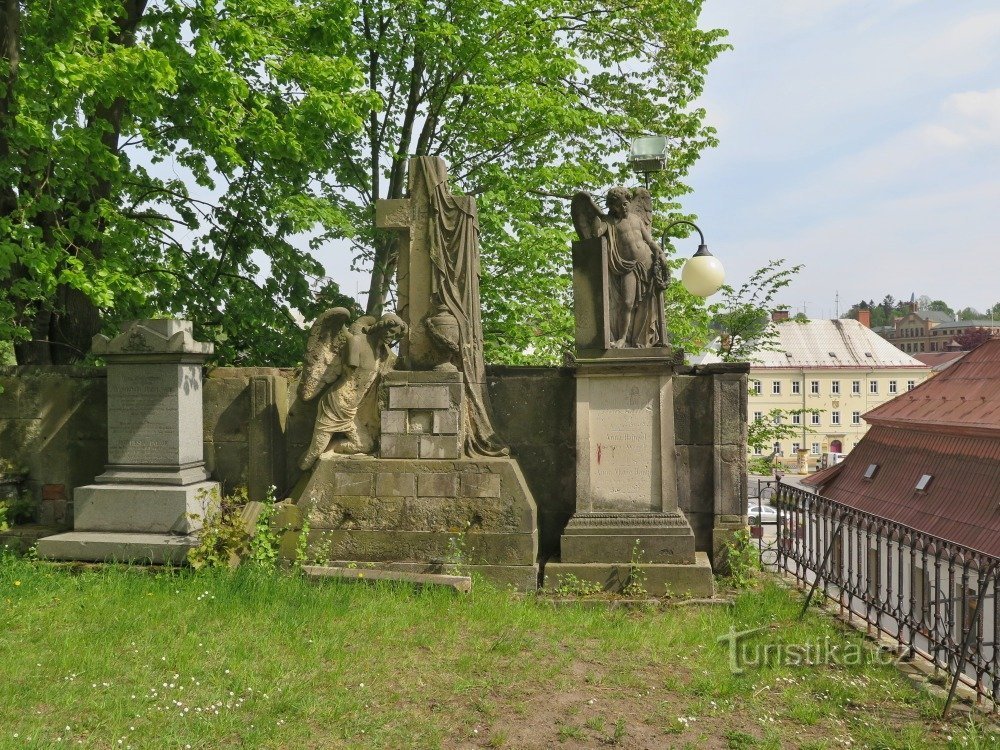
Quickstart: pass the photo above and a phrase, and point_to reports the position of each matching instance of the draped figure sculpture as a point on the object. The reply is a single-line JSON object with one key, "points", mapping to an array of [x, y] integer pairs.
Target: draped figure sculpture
{"points": [[637, 268]]}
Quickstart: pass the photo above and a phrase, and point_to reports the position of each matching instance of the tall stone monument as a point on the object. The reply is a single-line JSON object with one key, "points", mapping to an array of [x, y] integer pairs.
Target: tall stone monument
{"points": [[154, 491], [627, 468], [435, 476]]}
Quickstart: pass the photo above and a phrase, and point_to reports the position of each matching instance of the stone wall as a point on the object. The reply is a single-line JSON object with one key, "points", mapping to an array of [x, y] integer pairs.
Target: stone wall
{"points": [[53, 420]]}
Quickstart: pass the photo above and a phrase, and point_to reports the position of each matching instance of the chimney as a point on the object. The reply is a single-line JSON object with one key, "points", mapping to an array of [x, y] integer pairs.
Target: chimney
{"points": [[779, 316], [865, 316]]}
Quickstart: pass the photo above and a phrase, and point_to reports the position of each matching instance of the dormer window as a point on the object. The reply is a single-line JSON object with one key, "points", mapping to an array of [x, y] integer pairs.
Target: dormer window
{"points": [[871, 471], [924, 482]]}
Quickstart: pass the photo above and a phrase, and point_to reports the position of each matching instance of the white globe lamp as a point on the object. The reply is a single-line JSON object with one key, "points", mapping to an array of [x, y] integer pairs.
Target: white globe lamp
{"points": [[703, 274]]}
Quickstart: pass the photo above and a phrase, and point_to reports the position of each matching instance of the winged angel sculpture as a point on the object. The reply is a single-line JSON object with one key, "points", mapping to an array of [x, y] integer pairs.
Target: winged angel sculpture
{"points": [[344, 361], [637, 268]]}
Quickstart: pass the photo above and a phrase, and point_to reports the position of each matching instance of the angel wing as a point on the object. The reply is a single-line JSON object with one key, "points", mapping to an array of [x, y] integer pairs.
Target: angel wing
{"points": [[325, 352], [588, 218], [642, 205]]}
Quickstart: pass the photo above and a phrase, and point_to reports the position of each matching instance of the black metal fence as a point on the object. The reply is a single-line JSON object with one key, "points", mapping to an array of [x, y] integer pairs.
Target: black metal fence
{"points": [[936, 598]]}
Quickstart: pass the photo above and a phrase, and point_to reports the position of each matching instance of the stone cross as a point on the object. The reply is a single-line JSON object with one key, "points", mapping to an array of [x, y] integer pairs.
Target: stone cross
{"points": [[408, 217]]}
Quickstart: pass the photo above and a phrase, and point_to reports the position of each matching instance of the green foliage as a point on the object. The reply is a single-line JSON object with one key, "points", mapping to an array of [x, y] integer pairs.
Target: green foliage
{"points": [[775, 426], [225, 541], [741, 560], [636, 586], [456, 559], [187, 157], [173, 158], [17, 510], [570, 585], [743, 317], [528, 101]]}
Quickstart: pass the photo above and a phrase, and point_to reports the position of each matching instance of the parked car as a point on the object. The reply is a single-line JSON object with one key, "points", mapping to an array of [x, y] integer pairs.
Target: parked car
{"points": [[759, 514]]}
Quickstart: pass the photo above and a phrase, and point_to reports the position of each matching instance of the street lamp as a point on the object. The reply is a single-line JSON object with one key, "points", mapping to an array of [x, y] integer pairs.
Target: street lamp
{"points": [[703, 274]]}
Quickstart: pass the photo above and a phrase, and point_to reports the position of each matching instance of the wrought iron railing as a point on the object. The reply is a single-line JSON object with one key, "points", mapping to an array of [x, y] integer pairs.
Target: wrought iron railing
{"points": [[936, 598]]}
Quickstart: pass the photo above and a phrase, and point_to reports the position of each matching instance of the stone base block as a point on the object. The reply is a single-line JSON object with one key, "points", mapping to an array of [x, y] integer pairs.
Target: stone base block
{"points": [[100, 546], [615, 548], [521, 577], [169, 475], [616, 537], [147, 509], [661, 579], [419, 513]]}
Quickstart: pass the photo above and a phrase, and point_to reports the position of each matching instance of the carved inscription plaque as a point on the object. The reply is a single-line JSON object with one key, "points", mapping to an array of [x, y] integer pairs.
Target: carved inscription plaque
{"points": [[149, 413], [625, 444]]}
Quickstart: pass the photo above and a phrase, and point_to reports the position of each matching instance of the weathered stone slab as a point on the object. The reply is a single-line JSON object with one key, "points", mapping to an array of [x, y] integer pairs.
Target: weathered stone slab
{"points": [[660, 579], [392, 484], [462, 584], [106, 546], [439, 446], [400, 446], [437, 485], [479, 485], [419, 397]]}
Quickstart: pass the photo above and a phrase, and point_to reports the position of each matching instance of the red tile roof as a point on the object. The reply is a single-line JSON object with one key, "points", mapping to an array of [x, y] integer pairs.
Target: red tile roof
{"points": [[962, 502], [965, 398], [822, 476], [947, 427]]}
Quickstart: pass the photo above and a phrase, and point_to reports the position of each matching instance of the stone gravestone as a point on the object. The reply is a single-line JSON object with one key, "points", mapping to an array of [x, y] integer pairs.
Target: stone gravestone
{"points": [[627, 469], [154, 491], [440, 482]]}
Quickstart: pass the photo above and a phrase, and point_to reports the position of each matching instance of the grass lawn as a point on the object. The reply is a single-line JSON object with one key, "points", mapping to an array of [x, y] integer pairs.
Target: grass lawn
{"points": [[109, 658]]}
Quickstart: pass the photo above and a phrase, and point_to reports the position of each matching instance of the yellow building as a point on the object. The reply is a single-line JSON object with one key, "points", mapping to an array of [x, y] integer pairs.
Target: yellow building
{"points": [[838, 368]]}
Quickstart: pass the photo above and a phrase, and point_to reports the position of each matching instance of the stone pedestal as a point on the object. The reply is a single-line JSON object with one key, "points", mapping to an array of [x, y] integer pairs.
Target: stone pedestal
{"points": [[422, 515], [626, 481], [154, 491]]}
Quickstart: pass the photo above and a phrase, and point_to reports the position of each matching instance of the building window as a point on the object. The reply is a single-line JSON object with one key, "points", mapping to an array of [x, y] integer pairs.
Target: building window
{"points": [[815, 449], [755, 387], [835, 387], [873, 387], [795, 449], [814, 387], [921, 346], [911, 384], [776, 387], [855, 417], [758, 416], [934, 346], [796, 418], [777, 448], [758, 451], [856, 387], [892, 387], [835, 417], [815, 417], [796, 386], [777, 419]]}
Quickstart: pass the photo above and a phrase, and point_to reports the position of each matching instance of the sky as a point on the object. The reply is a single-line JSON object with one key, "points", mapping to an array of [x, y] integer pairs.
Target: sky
{"points": [[860, 139]]}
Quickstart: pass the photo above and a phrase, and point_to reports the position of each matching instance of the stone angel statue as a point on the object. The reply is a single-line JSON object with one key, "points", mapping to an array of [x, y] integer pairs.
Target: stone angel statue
{"points": [[343, 362], [637, 267]]}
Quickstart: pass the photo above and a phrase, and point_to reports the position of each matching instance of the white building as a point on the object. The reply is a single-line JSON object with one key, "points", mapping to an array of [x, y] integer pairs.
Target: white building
{"points": [[832, 372]]}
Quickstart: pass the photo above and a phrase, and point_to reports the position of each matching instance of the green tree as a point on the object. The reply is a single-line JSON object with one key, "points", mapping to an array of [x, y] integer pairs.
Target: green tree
{"points": [[941, 306], [167, 157], [970, 313], [742, 318], [528, 101]]}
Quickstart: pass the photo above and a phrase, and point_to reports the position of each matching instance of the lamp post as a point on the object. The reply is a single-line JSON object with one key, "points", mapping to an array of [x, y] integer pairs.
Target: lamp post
{"points": [[703, 273]]}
